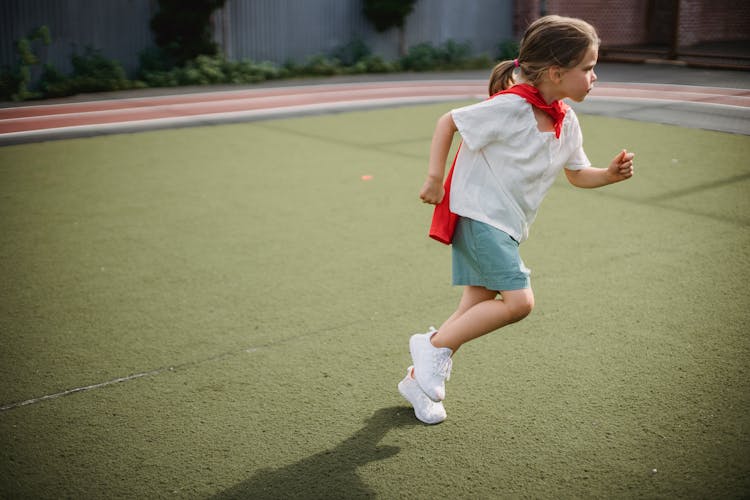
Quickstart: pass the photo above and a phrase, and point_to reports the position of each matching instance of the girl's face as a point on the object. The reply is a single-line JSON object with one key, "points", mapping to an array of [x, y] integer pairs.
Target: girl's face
{"points": [[577, 82]]}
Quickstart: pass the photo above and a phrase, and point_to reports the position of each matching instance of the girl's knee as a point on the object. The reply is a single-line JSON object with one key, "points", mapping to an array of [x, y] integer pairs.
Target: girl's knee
{"points": [[521, 304], [523, 309]]}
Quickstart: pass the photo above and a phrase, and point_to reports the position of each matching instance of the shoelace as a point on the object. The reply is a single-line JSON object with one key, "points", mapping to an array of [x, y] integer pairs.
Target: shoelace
{"points": [[443, 366]]}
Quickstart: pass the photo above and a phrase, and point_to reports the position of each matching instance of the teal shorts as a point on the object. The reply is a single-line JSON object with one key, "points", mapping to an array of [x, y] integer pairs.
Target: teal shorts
{"points": [[488, 257]]}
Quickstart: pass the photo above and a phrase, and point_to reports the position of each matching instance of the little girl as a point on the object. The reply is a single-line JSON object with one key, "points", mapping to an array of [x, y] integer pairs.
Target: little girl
{"points": [[513, 146]]}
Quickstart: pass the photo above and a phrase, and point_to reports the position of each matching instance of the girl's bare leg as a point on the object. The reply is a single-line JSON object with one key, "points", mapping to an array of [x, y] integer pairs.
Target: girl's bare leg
{"points": [[479, 313], [472, 296]]}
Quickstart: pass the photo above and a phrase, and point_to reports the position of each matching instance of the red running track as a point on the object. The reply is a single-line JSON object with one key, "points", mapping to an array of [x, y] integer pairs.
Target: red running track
{"points": [[267, 101]]}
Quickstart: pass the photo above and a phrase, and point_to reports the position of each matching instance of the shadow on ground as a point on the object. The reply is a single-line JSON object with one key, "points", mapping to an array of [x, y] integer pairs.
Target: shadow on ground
{"points": [[331, 473]]}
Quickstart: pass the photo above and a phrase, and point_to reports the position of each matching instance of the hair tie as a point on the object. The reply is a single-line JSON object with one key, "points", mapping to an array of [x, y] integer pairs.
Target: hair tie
{"points": [[515, 63]]}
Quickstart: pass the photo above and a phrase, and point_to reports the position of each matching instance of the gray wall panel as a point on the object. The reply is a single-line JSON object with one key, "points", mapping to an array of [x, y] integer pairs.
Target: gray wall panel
{"points": [[277, 30], [272, 30], [119, 28]]}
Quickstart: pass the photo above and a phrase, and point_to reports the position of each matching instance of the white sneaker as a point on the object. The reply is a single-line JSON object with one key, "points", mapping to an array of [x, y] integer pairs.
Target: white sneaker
{"points": [[432, 365], [425, 409]]}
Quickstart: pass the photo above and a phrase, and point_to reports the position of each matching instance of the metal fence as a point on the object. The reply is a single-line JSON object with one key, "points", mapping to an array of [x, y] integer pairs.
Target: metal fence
{"points": [[270, 30], [278, 30], [119, 28]]}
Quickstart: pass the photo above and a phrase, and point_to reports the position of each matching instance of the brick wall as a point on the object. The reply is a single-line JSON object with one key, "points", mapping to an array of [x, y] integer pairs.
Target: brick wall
{"points": [[714, 20], [525, 12], [617, 22], [626, 22]]}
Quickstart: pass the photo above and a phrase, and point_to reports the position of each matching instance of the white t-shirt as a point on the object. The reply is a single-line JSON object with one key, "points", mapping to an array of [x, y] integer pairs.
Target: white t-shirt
{"points": [[506, 165]]}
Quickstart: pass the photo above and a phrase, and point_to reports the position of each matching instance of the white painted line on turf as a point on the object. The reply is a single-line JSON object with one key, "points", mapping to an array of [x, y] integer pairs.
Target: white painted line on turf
{"points": [[159, 371], [119, 380], [83, 389]]}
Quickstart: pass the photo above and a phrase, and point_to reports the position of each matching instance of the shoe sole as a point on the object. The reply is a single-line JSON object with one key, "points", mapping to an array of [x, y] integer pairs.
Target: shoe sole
{"points": [[406, 397]]}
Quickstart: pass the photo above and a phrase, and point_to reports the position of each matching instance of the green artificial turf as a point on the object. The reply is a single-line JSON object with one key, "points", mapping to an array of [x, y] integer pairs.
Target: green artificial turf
{"points": [[262, 294]]}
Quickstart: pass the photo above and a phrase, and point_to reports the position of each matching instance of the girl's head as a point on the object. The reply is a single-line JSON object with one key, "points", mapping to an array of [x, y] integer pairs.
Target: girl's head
{"points": [[550, 41]]}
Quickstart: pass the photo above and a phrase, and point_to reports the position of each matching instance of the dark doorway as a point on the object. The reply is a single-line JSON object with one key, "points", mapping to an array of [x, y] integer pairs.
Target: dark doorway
{"points": [[662, 21]]}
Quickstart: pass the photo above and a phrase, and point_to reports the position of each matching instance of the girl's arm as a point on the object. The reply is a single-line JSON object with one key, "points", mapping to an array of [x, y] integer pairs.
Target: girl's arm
{"points": [[620, 169], [432, 190]]}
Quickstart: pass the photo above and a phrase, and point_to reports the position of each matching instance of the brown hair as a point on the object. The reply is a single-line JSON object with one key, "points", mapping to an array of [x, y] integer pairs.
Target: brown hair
{"points": [[548, 41]]}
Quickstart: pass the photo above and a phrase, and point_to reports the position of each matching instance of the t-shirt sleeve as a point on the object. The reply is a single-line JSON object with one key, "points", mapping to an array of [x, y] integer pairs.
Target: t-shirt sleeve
{"points": [[578, 159], [484, 122]]}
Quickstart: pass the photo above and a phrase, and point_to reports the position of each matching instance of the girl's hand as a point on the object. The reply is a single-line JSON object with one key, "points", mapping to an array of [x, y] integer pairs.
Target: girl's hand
{"points": [[621, 167], [432, 192]]}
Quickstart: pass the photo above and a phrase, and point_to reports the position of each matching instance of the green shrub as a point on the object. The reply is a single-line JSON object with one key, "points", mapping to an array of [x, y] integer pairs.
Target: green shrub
{"points": [[246, 71], [455, 54], [54, 83], [15, 81], [203, 70], [92, 72], [9, 82], [207, 70], [376, 64], [449, 56], [421, 57], [353, 52], [154, 59], [160, 78], [321, 65]]}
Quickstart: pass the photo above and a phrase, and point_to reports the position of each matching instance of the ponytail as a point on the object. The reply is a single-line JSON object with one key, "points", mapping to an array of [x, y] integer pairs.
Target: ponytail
{"points": [[502, 77]]}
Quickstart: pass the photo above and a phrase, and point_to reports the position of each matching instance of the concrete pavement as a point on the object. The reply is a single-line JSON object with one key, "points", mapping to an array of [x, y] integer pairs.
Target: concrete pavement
{"points": [[685, 112]]}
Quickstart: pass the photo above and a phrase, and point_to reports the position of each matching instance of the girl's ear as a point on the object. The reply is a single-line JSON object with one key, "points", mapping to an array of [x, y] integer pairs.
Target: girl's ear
{"points": [[554, 73]]}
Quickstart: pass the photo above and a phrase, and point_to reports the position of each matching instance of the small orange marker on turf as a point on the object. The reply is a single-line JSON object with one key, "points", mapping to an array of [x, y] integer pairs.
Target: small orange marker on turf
{"points": [[366, 177]]}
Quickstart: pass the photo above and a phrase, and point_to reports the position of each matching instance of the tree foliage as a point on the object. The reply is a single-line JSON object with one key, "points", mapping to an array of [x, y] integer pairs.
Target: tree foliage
{"points": [[387, 14], [182, 29]]}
